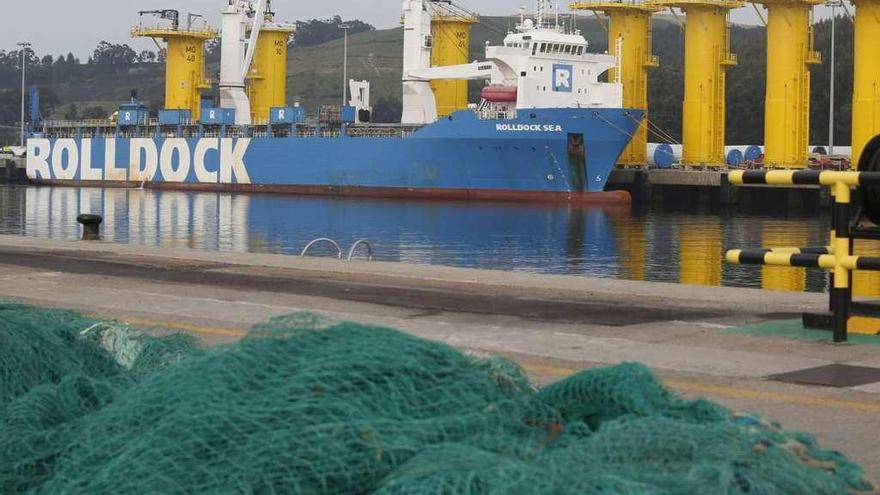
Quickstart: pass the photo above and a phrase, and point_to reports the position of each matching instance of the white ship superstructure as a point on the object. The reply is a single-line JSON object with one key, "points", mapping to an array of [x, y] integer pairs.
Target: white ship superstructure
{"points": [[539, 65]]}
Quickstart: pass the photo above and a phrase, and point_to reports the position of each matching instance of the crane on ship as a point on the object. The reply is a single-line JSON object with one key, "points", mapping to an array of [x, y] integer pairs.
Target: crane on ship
{"points": [[237, 53], [167, 14]]}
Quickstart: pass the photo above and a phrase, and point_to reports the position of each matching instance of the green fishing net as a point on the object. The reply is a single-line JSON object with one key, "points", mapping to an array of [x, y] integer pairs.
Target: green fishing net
{"points": [[307, 406]]}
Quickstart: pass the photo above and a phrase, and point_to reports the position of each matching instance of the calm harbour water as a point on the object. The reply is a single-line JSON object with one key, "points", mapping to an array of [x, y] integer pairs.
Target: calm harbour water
{"points": [[655, 244]]}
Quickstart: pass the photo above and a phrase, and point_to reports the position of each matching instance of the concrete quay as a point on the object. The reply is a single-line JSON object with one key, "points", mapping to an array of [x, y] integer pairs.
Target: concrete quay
{"points": [[552, 325]]}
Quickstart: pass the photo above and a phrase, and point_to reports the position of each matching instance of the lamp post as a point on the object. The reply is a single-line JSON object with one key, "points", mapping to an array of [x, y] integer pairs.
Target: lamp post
{"points": [[833, 4], [24, 49], [345, 28]]}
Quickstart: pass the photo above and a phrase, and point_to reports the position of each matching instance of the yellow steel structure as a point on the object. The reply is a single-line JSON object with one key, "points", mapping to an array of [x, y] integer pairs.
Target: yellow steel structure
{"points": [[452, 39], [790, 53], [267, 82], [184, 65], [629, 31], [866, 79], [706, 58]]}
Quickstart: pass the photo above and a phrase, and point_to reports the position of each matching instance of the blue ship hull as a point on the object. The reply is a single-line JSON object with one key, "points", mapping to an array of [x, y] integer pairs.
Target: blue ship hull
{"points": [[544, 153]]}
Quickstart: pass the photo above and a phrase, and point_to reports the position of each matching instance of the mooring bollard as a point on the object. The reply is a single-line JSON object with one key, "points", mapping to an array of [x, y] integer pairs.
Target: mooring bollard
{"points": [[91, 226]]}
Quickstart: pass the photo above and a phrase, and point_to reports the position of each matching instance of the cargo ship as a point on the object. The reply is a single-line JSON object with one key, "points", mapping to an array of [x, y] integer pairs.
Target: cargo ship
{"points": [[549, 124]]}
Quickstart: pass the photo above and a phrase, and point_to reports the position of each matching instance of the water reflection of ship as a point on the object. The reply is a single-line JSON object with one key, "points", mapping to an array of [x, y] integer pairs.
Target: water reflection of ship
{"points": [[607, 242], [534, 238], [205, 220]]}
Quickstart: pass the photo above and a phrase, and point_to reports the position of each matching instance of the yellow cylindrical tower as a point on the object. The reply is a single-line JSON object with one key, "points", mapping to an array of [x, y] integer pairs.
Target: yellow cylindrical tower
{"points": [[706, 58], [630, 30], [787, 107], [452, 39], [267, 82], [184, 65], [866, 79]]}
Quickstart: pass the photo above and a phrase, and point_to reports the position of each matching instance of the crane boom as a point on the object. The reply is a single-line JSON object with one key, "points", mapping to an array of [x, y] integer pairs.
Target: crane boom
{"points": [[169, 14], [259, 19]]}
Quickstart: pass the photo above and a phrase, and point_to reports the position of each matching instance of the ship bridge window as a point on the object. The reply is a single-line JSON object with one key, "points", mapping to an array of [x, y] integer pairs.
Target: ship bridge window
{"points": [[556, 48], [567, 49], [543, 47], [580, 50], [534, 48]]}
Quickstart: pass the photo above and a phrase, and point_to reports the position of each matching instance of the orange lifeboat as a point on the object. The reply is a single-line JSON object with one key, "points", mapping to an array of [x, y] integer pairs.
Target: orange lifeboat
{"points": [[499, 94]]}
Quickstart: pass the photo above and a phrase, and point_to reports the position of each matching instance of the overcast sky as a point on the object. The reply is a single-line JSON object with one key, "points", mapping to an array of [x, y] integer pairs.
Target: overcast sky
{"points": [[61, 26]]}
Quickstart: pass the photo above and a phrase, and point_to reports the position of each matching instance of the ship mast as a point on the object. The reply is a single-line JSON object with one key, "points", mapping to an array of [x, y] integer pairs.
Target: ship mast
{"points": [[539, 18]]}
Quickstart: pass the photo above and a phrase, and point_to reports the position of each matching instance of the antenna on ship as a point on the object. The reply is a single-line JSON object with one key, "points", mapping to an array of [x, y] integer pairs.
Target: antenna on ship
{"points": [[540, 15], [556, 11]]}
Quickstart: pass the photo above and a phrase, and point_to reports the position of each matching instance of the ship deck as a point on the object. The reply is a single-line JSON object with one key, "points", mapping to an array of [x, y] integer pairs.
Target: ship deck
{"points": [[66, 129]]}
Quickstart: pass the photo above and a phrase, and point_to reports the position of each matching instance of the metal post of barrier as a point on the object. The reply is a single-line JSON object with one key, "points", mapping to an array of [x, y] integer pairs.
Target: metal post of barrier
{"points": [[840, 289], [837, 257]]}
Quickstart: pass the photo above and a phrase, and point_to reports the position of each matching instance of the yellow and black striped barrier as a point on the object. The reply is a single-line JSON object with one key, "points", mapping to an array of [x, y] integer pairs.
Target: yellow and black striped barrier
{"points": [[803, 178], [837, 256]]}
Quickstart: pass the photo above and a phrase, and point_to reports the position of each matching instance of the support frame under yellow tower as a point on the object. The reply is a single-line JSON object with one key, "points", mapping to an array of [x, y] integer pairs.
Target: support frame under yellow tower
{"points": [[866, 77], [630, 23], [790, 53], [707, 57], [184, 65]]}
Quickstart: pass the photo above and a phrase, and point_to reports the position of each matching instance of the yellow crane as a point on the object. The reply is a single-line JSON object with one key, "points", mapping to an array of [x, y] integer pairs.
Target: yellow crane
{"points": [[184, 61], [790, 52], [706, 59], [629, 37], [267, 80], [451, 32]]}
